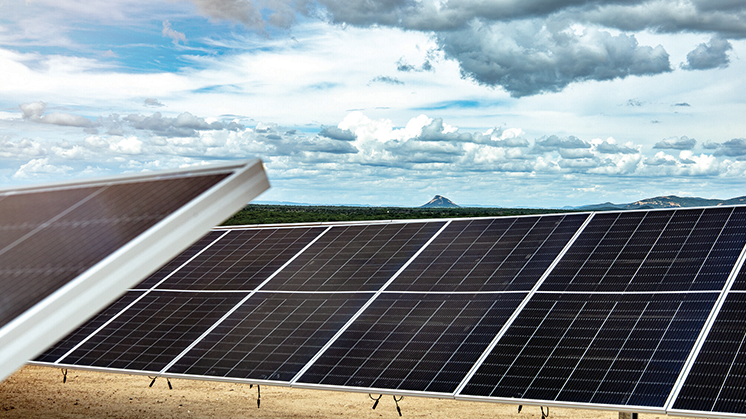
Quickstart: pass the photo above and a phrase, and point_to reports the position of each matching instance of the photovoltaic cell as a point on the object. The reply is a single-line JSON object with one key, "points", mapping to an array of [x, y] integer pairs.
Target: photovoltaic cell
{"points": [[175, 263], [241, 260], [652, 251], [153, 331], [594, 348], [490, 254], [77, 336], [86, 226], [717, 380], [271, 336], [421, 342], [354, 258]]}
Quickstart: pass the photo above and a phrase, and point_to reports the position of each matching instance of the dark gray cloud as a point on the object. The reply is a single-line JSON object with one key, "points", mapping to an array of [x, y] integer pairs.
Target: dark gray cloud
{"points": [[435, 131], [676, 143], [337, 134], [528, 58], [707, 56], [526, 47], [731, 148], [726, 18], [403, 66]]}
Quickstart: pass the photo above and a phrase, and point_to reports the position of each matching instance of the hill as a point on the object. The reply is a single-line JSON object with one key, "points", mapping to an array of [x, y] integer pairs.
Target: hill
{"points": [[440, 202], [670, 201]]}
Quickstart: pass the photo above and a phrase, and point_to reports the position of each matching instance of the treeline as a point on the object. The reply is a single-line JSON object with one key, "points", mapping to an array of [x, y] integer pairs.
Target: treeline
{"points": [[276, 214]]}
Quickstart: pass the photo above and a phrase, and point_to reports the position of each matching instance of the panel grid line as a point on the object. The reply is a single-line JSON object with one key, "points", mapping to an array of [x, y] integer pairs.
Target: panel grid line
{"points": [[481, 319], [621, 348], [632, 278], [535, 251], [47, 223], [239, 304], [590, 254], [367, 304], [709, 323], [299, 347], [432, 345], [489, 250], [559, 341], [516, 247], [520, 308], [647, 364], [587, 348], [330, 259], [117, 315]]}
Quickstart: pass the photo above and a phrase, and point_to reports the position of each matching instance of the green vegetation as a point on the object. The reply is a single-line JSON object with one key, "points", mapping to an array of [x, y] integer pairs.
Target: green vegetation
{"points": [[275, 214]]}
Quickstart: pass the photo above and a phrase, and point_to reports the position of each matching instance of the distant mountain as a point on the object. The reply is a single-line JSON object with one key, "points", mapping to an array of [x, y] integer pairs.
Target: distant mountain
{"points": [[671, 201], [440, 202]]}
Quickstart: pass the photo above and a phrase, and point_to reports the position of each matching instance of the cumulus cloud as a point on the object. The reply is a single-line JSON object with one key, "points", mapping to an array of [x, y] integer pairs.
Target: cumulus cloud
{"points": [[337, 134], [33, 110], [529, 57], [40, 167], [526, 47], [676, 143], [184, 125], [707, 56], [735, 147]]}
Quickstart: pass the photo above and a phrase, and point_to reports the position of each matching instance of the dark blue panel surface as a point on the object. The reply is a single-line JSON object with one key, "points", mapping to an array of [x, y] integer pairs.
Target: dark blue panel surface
{"points": [[421, 342], [242, 259], [354, 258], [496, 254], [599, 349], [153, 331], [717, 379], [271, 336], [652, 251]]}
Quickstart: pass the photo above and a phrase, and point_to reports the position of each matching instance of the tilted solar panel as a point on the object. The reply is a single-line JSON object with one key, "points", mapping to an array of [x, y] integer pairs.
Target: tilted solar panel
{"points": [[69, 249], [601, 310]]}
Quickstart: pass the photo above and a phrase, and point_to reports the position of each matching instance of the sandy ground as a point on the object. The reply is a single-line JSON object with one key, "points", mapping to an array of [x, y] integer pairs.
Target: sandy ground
{"points": [[39, 392]]}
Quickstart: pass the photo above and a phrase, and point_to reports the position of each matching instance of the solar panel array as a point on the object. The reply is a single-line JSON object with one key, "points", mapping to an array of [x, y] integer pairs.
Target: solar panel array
{"points": [[635, 311]]}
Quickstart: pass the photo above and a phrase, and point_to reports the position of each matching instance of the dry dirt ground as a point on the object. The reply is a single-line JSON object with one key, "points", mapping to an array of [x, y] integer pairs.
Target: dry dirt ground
{"points": [[38, 392]]}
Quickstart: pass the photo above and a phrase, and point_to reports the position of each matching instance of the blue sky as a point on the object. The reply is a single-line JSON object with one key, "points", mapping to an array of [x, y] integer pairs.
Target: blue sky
{"points": [[385, 102]]}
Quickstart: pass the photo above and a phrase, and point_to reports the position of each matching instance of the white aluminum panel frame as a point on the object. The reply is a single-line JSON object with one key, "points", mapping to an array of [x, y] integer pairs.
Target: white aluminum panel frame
{"points": [[39, 327]]}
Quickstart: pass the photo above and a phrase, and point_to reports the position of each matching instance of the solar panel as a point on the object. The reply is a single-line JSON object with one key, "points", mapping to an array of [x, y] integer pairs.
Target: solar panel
{"points": [[69, 249], [355, 257], [601, 349], [420, 342], [603, 310], [498, 254], [271, 337], [716, 382]]}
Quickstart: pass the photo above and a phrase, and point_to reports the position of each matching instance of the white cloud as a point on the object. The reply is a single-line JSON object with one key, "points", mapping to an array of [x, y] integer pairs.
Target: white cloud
{"points": [[40, 167], [130, 145]]}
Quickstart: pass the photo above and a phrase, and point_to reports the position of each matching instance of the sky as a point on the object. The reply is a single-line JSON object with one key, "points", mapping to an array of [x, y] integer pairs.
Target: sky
{"points": [[511, 103]]}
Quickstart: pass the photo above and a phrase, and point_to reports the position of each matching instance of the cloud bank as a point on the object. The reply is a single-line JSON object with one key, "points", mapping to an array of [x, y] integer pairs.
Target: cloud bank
{"points": [[525, 47]]}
